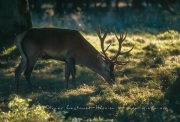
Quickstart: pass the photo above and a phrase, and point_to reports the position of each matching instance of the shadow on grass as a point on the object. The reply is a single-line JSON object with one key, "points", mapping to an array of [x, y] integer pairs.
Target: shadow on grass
{"points": [[6, 90], [173, 94], [50, 81], [136, 74], [12, 55], [49, 91], [73, 104], [76, 103]]}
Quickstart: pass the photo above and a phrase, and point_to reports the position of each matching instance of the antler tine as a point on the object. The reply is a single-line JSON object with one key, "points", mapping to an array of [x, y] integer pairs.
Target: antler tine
{"points": [[102, 41], [125, 36], [127, 51], [116, 33], [120, 40], [99, 34], [122, 37], [108, 47]]}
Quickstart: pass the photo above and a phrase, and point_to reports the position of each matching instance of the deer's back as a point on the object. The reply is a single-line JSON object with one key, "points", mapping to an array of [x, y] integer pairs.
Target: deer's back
{"points": [[56, 42]]}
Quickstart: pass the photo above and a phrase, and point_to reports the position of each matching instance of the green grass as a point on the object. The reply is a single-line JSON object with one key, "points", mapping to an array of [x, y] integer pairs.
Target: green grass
{"points": [[147, 89]]}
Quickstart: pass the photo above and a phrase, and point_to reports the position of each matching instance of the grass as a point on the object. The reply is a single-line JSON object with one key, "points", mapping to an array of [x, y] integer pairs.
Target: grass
{"points": [[147, 89]]}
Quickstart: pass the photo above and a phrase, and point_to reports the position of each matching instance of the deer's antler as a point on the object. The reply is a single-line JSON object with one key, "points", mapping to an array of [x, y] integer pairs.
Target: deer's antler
{"points": [[120, 39], [98, 30]]}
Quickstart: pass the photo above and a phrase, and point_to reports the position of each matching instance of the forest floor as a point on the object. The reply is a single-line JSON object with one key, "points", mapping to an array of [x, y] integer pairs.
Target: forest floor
{"points": [[147, 87]]}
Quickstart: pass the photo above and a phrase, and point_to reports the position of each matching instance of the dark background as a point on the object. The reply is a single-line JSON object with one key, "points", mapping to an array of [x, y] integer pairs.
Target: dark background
{"points": [[85, 15], [19, 15]]}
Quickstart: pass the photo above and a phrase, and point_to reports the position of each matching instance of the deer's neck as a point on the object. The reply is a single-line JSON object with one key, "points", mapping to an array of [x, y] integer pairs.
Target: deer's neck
{"points": [[92, 61]]}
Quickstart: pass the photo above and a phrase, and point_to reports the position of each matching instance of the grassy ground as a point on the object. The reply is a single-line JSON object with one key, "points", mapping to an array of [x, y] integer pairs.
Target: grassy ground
{"points": [[147, 90]]}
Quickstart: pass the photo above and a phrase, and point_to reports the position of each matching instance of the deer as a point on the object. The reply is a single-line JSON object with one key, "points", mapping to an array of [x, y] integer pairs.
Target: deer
{"points": [[68, 46]]}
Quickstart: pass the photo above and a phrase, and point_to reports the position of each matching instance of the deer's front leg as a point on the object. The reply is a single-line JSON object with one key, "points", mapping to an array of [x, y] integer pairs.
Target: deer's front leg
{"points": [[71, 65], [67, 74]]}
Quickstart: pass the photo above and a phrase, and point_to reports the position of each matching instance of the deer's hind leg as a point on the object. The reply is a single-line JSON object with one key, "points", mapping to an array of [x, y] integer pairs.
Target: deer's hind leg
{"points": [[29, 68], [28, 71], [19, 71]]}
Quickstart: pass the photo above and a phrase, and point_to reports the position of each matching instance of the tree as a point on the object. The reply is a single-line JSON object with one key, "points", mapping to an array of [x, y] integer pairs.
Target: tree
{"points": [[14, 18]]}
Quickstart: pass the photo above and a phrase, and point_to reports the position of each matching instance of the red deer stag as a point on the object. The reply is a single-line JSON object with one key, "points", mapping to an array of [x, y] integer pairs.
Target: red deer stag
{"points": [[68, 46]]}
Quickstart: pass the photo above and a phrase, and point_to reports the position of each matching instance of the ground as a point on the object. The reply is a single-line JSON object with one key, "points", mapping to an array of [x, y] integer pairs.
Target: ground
{"points": [[147, 87]]}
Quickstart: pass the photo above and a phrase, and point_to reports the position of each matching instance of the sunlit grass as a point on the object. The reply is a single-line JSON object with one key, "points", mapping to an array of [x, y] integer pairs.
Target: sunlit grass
{"points": [[8, 51], [143, 83], [168, 35], [19, 110]]}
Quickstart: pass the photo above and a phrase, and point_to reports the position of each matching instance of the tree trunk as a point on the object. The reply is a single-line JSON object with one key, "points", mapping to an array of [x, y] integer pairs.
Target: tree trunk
{"points": [[14, 17]]}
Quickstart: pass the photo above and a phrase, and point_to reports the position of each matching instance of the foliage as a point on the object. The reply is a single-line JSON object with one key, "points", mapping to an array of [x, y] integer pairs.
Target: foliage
{"points": [[170, 34], [147, 87], [20, 111]]}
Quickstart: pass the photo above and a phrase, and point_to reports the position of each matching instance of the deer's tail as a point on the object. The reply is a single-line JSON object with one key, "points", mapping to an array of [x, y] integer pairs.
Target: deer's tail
{"points": [[18, 44]]}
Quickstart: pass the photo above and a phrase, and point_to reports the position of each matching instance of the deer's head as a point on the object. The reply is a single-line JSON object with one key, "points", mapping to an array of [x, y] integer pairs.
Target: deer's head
{"points": [[108, 64]]}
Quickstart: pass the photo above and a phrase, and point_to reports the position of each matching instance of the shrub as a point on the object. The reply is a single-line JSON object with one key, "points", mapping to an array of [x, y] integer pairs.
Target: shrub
{"points": [[171, 34], [19, 111]]}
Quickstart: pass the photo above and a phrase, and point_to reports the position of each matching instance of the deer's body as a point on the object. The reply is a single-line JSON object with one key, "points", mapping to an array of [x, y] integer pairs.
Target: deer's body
{"points": [[68, 46], [60, 44]]}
